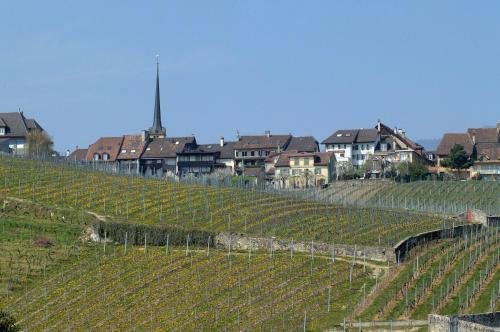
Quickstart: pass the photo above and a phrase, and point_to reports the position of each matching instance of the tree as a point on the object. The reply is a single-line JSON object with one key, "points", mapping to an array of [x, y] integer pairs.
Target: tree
{"points": [[411, 171], [7, 322], [457, 159], [39, 143]]}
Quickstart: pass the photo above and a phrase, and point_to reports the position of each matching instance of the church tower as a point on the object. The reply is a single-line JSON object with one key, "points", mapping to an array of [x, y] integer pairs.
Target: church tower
{"points": [[157, 131]]}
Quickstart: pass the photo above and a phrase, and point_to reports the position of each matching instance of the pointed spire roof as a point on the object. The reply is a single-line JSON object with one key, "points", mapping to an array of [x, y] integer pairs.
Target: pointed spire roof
{"points": [[157, 129]]}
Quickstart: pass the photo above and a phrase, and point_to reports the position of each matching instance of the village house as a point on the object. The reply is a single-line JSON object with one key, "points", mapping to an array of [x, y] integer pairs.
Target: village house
{"points": [[482, 145], [160, 156], [130, 152], [14, 130], [352, 146], [78, 155], [104, 152], [382, 146], [302, 169]]}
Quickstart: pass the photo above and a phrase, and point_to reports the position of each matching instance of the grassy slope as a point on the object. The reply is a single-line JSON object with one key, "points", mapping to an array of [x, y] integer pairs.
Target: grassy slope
{"points": [[210, 208]]}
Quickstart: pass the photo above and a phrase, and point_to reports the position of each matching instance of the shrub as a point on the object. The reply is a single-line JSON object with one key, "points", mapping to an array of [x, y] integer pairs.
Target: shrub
{"points": [[7, 322]]}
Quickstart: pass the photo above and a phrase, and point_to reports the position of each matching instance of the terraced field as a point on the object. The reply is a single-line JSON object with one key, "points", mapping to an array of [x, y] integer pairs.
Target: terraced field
{"points": [[208, 207], [428, 196], [450, 277]]}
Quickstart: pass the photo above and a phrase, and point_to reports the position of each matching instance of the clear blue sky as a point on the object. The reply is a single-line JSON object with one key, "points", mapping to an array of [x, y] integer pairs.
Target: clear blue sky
{"points": [[86, 69]]}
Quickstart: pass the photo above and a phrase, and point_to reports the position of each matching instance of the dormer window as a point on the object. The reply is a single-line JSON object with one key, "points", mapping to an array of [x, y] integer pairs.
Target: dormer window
{"points": [[124, 151], [2, 131], [132, 151], [105, 156], [97, 156]]}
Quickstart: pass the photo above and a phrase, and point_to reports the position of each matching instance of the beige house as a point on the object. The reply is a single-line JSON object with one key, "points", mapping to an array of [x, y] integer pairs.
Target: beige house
{"points": [[302, 170]]}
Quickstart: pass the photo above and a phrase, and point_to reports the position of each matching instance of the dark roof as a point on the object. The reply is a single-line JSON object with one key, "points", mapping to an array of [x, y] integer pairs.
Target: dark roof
{"points": [[32, 124], [345, 136], [162, 148], [303, 144], [263, 142], [2, 123], [350, 136], [78, 155], [488, 151], [225, 152], [15, 123], [167, 147], [109, 145], [366, 135], [131, 142], [450, 139], [484, 135]]}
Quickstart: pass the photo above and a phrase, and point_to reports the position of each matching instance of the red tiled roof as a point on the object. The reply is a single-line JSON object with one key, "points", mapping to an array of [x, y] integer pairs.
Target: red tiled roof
{"points": [[78, 155], [484, 135], [132, 147], [105, 145], [450, 139]]}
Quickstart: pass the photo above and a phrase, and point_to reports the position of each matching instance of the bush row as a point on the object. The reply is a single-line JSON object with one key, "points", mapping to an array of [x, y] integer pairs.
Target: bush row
{"points": [[138, 234]]}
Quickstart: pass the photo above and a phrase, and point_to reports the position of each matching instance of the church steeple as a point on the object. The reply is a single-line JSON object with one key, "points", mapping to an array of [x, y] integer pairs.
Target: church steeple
{"points": [[157, 130]]}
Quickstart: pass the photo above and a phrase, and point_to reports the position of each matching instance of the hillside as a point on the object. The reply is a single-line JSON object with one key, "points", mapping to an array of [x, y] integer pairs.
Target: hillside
{"points": [[450, 197], [208, 207]]}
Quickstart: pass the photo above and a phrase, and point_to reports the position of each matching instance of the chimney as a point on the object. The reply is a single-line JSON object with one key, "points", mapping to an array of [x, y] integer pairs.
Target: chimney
{"points": [[402, 132], [268, 133], [222, 141], [378, 125], [474, 138]]}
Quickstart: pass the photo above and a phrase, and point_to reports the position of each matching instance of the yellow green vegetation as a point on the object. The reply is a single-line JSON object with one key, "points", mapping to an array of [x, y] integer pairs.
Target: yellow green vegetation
{"points": [[193, 289], [450, 277], [207, 207]]}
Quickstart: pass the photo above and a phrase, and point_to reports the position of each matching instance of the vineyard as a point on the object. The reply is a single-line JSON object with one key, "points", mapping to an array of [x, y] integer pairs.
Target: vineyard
{"points": [[427, 196], [214, 208], [52, 280], [450, 277], [193, 289]]}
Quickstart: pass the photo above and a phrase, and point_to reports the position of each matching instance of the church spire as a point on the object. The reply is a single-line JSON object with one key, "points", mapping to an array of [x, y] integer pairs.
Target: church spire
{"points": [[157, 130]]}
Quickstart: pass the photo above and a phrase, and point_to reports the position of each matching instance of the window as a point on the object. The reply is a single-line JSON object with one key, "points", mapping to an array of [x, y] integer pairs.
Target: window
{"points": [[244, 153], [267, 153], [97, 156], [383, 147], [306, 161], [355, 147], [345, 146], [252, 153], [317, 171], [124, 151], [105, 156], [2, 131], [342, 155], [132, 151], [295, 171], [296, 162], [363, 157]]}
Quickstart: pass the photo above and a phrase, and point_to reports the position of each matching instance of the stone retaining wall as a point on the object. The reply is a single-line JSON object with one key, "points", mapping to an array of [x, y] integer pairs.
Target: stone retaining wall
{"points": [[242, 242], [487, 322], [404, 246]]}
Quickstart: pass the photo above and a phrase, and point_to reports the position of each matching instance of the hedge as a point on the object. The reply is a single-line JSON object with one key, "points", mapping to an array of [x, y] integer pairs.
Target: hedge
{"points": [[137, 234]]}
